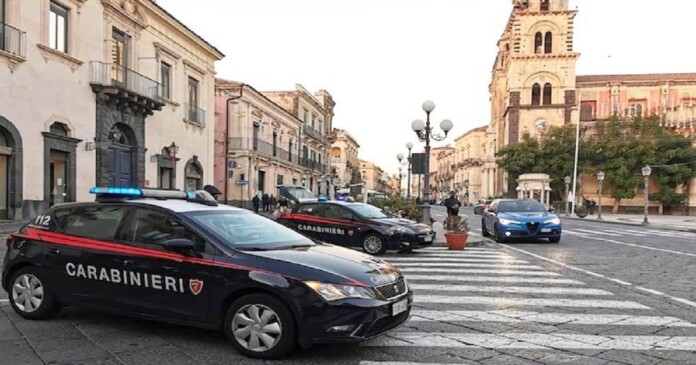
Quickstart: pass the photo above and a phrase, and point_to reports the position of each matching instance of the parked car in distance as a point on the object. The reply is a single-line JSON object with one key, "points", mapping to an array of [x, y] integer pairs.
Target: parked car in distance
{"points": [[479, 208]]}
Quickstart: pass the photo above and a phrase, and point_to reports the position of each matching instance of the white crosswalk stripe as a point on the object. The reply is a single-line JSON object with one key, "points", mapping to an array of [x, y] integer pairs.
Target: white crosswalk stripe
{"points": [[626, 232], [454, 289]]}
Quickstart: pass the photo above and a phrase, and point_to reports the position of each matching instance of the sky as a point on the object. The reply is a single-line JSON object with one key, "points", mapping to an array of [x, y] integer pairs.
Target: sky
{"points": [[380, 59]]}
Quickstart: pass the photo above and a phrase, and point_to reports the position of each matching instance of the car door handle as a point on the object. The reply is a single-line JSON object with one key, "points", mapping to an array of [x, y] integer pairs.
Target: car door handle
{"points": [[54, 251]]}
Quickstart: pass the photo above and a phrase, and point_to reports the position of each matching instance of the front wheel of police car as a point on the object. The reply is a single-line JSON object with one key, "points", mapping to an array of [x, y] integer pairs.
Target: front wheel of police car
{"points": [[260, 326], [374, 244], [30, 297]]}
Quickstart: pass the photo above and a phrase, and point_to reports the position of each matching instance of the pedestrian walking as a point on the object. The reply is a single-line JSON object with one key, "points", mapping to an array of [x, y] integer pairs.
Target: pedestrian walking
{"points": [[273, 203], [452, 204], [265, 201], [255, 202]]}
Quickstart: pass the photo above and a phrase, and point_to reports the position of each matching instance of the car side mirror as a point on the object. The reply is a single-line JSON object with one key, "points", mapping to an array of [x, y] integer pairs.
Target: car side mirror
{"points": [[180, 245]]}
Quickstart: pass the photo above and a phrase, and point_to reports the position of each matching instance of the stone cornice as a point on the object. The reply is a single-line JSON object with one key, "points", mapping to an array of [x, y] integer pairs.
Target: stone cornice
{"points": [[573, 55], [189, 65], [126, 10], [162, 48], [48, 53]]}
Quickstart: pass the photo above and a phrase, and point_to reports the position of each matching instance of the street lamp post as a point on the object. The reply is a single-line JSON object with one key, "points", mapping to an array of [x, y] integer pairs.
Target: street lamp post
{"points": [[646, 182], [567, 184], [409, 146], [400, 157], [600, 180], [424, 132]]}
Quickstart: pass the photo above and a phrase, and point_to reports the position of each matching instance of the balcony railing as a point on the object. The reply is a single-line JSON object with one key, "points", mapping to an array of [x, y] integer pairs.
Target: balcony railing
{"points": [[121, 77], [264, 148], [314, 165], [12, 40], [195, 114], [308, 130]]}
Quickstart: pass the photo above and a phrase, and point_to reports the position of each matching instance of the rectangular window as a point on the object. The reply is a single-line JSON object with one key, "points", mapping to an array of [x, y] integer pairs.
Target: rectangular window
{"points": [[119, 56], [255, 138], [294, 181], [166, 71], [193, 100], [166, 181], [58, 27], [305, 117], [275, 144], [280, 180], [290, 150], [314, 121]]}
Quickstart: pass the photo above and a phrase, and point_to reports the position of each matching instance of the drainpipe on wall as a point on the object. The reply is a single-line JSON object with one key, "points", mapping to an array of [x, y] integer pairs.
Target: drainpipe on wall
{"points": [[227, 140]]}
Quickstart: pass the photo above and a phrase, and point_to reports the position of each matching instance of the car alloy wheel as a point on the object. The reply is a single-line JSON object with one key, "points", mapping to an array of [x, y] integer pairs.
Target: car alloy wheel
{"points": [[374, 245], [496, 234], [257, 327], [29, 295], [260, 326]]}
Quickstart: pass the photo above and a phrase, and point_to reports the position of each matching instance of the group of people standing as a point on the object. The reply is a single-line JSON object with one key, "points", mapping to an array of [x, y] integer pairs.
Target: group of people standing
{"points": [[268, 203]]}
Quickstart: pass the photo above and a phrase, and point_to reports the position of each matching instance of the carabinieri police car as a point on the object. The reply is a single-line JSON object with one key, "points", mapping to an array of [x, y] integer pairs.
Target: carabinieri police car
{"points": [[182, 258], [357, 225]]}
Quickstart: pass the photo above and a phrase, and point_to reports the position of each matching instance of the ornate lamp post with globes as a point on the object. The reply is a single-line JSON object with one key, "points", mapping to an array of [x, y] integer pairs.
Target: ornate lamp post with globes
{"points": [[600, 180], [425, 134]]}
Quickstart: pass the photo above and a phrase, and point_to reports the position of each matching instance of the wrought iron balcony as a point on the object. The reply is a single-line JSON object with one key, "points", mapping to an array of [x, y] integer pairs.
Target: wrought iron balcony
{"points": [[308, 130], [13, 40], [263, 148], [195, 114], [119, 82]]}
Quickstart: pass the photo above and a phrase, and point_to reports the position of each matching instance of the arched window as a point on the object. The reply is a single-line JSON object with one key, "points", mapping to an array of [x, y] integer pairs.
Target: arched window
{"points": [[548, 43], [59, 129], [547, 94], [536, 94], [193, 175], [538, 42], [544, 5]]}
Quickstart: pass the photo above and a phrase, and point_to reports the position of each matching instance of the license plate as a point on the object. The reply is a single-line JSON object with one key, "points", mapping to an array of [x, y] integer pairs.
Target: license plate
{"points": [[399, 307], [428, 239], [546, 230]]}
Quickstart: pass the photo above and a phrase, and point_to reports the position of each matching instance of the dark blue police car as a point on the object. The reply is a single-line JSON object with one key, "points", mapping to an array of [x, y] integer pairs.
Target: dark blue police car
{"points": [[182, 258], [357, 225]]}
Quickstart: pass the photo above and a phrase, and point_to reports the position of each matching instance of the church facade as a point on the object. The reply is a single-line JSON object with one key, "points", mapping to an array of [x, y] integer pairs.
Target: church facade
{"points": [[534, 86]]}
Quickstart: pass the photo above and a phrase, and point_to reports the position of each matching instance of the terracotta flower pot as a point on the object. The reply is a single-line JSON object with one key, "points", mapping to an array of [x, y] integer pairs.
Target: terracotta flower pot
{"points": [[456, 241]]}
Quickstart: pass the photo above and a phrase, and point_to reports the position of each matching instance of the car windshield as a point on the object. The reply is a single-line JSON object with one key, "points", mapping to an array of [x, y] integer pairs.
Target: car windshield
{"points": [[301, 193], [521, 206], [369, 211], [247, 231]]}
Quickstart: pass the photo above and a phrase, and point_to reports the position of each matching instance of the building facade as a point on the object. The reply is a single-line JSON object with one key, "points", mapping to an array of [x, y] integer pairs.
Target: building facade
{"points": [[534, 86], [315, 136], [115, 92], [373, 176], [256, 144], [441, 171], [344, 158], [468, 161]]}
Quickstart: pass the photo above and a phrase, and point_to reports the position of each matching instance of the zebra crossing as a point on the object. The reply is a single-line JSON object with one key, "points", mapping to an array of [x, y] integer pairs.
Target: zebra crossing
{"points": [[487, 299], [626, 232]]}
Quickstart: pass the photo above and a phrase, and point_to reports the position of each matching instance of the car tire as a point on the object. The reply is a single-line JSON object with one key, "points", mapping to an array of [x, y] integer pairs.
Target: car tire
{"points": [[484, 231], [496, 235], [246, 333], [374, 244], [30, 294], [555, 239]]}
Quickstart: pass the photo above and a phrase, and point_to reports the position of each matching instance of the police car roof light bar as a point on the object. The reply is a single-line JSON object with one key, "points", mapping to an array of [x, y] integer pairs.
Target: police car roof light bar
{"points": [[200, 196]]}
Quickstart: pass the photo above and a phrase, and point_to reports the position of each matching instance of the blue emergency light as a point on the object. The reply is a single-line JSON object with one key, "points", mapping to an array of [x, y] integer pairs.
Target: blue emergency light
{"points": [[109, 192], [116, 191]]}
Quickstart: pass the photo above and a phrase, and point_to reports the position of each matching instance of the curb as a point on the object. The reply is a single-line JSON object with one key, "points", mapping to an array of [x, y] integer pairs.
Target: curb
{"points": [[652, 225], [470, 243]]}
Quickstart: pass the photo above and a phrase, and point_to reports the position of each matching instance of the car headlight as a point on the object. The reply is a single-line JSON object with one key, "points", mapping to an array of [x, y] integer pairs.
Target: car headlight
{"points": [[554, 221], [332, 292], [506, 222], [399, 230]]}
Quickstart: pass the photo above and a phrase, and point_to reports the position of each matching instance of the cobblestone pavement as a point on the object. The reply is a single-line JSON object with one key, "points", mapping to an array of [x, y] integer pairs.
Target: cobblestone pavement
{"points": [[605, 295]]}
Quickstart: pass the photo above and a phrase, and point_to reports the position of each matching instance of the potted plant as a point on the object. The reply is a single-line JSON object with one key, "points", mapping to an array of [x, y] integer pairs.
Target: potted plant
{"points": [[456, 232], [581, 211]]}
